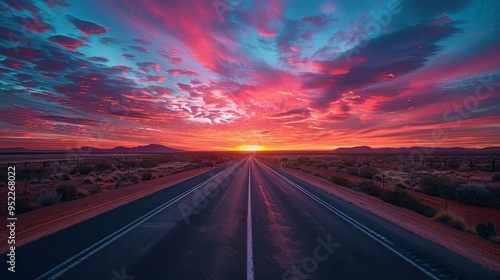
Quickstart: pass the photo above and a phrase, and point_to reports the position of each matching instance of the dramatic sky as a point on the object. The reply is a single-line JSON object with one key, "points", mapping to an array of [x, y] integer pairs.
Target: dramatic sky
{"points": [[242, 74]]}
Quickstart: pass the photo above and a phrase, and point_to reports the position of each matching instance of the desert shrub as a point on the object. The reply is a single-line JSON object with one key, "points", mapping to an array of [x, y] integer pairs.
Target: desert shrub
{"points": [[450, 219], [101, 167], [126, 180], [370, 188], [401, 185], [24, 204], [67, 192], [352, 170], [349, 163], [432, 184], [81, 193], [320, 175], [99, 179], [146, 176], [83, 169], [496, 177], [148, 163], [129, 163], [48, 198], [340, 180], [94, 190], [110, 180], [401, 198], [368, 172], [42, 173], [455, 165], [496, 239], [161, 175], [471, 193], [88, 181], [378, 177], [63, 177]]}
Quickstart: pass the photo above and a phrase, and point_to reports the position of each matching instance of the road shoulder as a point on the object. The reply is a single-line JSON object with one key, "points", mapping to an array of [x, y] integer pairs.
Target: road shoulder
{"points": [[474, 248]]}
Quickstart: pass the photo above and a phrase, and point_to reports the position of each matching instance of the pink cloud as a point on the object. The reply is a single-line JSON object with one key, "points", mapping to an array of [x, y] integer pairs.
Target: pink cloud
{"points": [[67, 42], [181, 72]]}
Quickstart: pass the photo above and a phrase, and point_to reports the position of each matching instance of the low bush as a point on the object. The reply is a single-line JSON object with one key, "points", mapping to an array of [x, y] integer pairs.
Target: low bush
{"points": [[63, 177], [401, 185], [24, 204], [431, 184], [353, 170], [471, 193], [401, 198], [88, 181], [148, 163], [496, 239], [368, 172], [340, 180], [126, 180], [146, 176], [94, 190], [48, 198], [450, 219], [129, 163], [81, 193], [101, 167], [67, 192], [370, 188], [320, 175], [83, 169]]}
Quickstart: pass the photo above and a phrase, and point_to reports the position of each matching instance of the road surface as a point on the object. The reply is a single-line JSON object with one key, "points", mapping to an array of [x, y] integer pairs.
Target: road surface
{"points": [[243, 221]]}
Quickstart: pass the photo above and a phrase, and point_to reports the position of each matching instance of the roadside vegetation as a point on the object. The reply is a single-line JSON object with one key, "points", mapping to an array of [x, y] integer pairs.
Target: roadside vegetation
{"points": [[41, 184], [398, 179]]}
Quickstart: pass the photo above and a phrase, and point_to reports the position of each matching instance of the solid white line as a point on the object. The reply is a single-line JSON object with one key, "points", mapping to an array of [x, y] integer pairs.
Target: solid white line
{"points": [[250, 274], [115, 235], [374, 235]]}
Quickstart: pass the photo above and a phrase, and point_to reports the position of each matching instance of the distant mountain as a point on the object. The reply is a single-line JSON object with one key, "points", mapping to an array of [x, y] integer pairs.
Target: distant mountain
{"points": [[149, 149], [14, 150], [424, 150]]}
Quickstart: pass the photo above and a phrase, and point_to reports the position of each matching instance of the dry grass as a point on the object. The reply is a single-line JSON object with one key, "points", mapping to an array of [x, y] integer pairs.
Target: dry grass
{"points": [[496, 239], [451, 219], [471, 230]]}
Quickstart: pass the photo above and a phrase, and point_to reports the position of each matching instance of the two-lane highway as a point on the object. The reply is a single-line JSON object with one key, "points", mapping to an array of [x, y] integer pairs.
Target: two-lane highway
{"points": [[244, 221]]}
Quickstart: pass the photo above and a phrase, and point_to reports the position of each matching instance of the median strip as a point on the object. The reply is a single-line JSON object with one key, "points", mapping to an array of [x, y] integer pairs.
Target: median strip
{"points": [[250, 273]]}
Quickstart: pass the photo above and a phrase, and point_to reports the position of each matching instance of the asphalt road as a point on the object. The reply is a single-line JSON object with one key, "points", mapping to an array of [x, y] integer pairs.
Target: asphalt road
{"points": [[244, 221]]}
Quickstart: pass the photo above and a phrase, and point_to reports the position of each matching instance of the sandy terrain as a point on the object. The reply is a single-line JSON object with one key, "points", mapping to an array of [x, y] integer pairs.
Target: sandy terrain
{"points": [[483, 252], [44, 221]]}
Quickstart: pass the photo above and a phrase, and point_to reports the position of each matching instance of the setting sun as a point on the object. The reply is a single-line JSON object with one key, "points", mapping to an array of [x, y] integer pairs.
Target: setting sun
{"points": [[250, 148]]}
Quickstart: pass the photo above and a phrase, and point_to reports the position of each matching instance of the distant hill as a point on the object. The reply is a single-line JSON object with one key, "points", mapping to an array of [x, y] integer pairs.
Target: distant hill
{"points": [[149, 149], [14, 150], [425, 150]]}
